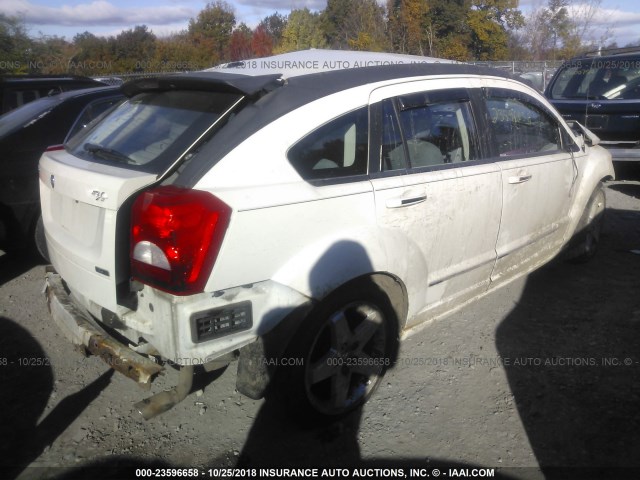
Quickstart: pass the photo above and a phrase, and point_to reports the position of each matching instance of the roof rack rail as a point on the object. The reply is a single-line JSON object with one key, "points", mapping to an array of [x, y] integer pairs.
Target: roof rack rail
{"points": [[612, 51]]}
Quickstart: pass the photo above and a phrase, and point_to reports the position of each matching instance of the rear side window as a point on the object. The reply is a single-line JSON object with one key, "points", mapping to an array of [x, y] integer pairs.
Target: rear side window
{"points": [[153, 129], [431, 129], [337, 149], [521, 127]]}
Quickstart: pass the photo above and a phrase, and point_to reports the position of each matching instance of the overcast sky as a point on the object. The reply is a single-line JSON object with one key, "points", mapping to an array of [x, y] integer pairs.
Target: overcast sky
{"points": [[109, 17]]}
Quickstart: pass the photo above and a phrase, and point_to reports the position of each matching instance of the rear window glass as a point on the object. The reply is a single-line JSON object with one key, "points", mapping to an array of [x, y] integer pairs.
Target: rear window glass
{"points": [[93, 111], [614, 78], [151, 130]]}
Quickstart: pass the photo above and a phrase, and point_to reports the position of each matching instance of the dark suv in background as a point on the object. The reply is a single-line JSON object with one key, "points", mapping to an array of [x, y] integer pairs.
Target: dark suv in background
{"points": [[25, 133], [601, 90], [20, 89]]}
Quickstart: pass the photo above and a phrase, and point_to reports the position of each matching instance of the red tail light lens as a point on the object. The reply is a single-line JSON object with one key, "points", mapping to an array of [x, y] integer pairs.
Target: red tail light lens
{"points": [[176, 234], [54, 148]]}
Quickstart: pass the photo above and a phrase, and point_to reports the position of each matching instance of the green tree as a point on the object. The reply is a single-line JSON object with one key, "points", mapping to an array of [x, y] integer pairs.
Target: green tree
{"points": [[303, 31], [447, 30], [132, 48], [176, 52], [274, 26], [91, 51], [211, 30], [559, 21], [16, 48], [406, 26], [53, 54], [333, 19], [488, 21], [354, 24], [365, 27]]}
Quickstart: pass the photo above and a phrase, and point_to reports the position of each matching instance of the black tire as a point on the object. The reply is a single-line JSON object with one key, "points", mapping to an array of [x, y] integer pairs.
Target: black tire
{"points": [[587, 238], [341, 352], [40, 240]]}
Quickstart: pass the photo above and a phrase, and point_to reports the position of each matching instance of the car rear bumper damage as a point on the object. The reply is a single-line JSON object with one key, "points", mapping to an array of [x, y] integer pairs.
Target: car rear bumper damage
{"points": [[80, 328], [86, 333]]}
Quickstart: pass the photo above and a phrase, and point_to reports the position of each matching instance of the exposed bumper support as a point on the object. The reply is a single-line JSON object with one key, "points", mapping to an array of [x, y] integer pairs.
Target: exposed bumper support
{"points": [[82, 330], [163, 401]]}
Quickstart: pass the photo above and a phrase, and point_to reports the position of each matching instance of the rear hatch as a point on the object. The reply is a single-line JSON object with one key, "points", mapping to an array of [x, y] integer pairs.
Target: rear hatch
{"points": [[88, 187], [602, 93]]}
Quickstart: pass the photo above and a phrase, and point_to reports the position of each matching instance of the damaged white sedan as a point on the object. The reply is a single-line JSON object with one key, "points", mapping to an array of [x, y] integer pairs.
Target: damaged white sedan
{"points": [[302, 223]]}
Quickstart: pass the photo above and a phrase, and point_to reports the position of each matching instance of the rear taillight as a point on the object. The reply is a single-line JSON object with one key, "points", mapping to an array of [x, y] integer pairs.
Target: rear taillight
{"points": [[176, 234], [53, 148]]}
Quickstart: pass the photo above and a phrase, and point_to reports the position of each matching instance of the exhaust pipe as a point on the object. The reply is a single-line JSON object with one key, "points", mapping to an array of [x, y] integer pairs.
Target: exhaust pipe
{"points": [[163, 401]]}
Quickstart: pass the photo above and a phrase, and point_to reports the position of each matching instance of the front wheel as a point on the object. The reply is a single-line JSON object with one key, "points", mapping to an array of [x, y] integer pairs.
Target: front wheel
{"points": [[340, 355], [587, 237]]}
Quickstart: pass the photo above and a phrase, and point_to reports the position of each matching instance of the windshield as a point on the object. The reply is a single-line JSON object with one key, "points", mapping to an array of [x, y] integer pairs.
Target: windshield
{"points": [[26, 115], [151, 130], [598, 78]]}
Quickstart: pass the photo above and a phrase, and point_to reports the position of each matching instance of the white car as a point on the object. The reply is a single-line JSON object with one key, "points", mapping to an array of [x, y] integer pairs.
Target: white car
{"points": [[304, 223]]}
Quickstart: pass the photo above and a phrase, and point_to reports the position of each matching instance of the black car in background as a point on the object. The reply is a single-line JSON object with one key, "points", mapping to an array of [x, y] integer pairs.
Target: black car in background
{"points": [[601, 90], [18, 90], [24, 134]]}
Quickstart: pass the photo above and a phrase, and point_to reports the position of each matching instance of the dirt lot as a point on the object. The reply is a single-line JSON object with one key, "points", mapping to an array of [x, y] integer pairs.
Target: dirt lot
{"points": [[544, 373]]}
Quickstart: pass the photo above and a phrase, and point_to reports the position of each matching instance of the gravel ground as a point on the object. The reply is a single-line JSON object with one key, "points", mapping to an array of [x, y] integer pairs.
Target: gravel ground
{"points": [[540, 374]]}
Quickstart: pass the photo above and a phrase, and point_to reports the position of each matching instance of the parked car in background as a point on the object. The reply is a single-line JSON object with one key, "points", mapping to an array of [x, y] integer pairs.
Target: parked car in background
{"points": [[601, 90], [113, 81], [303, 222], [25, 133], [16, 90]]}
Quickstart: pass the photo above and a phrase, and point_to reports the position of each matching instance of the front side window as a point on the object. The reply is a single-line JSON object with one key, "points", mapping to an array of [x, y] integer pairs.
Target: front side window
{"points": [[151, 130], [521, 127], [337, 149]]}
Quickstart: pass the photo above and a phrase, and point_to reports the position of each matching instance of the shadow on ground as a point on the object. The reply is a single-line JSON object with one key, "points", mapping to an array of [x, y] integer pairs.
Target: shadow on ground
{"points": [[572, 356], [16, 263], [27, 382]]}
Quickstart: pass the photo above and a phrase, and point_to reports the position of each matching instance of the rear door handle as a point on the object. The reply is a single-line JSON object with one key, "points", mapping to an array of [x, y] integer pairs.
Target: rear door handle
{"points": [[519, 179], [404, 201]]}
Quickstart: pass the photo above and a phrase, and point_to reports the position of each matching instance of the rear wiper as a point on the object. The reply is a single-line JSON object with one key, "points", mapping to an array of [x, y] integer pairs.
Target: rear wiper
{"points": [[105, 152]]}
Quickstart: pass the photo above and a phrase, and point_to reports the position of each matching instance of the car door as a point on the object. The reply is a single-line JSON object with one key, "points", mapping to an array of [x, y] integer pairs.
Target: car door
{"points": [[434, 194], [537, 179]]}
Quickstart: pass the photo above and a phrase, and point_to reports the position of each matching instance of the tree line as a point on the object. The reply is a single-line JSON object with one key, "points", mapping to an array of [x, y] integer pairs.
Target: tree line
{"points": [[465, 30]]}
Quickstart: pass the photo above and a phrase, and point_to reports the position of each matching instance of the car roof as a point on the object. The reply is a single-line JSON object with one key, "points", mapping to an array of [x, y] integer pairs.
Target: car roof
{"points": [[306, 62], [299, 90], [329, 72]]}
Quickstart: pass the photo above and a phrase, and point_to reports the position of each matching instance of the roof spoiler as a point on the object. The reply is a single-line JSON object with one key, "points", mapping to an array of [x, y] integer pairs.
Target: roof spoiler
{"points": [[246, 85]]}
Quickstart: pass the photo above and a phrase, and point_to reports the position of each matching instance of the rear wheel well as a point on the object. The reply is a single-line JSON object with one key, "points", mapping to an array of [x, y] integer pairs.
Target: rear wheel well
{"points": [[343, 345]]}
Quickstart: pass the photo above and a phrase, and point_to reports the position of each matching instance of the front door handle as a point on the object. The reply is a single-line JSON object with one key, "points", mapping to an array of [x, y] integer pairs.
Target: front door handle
{"points": [[519, 179], [404, 201]]}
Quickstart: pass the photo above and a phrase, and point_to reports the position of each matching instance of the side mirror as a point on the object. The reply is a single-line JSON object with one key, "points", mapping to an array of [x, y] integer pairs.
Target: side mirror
{"points": [[579, 130]]}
